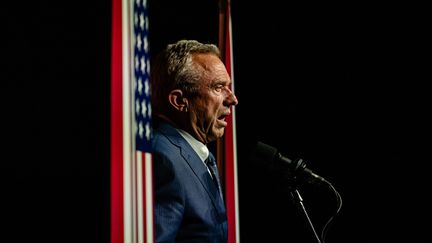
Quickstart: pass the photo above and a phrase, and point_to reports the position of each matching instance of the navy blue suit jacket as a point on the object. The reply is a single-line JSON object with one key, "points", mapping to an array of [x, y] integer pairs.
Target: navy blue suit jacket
{"points": [[187, 206]]}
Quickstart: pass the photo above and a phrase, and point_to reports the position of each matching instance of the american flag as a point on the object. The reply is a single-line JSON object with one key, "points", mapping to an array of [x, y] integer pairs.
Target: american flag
{"points": [[131, 158], [230, 140]]}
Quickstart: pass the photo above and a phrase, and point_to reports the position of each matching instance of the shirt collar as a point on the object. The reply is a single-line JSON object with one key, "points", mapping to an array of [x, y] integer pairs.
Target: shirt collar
{"points": [[200, 148]]}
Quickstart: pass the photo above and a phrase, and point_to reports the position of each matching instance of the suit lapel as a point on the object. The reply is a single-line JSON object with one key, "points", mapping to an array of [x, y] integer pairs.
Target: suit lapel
{"points": [[195, 163]]}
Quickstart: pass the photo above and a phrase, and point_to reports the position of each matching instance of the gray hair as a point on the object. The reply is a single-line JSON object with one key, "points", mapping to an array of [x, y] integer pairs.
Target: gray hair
{"points": [[173, 69]]}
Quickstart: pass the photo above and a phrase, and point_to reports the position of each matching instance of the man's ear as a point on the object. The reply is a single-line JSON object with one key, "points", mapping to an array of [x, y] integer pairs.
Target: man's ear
{"points": [[177, 100]]}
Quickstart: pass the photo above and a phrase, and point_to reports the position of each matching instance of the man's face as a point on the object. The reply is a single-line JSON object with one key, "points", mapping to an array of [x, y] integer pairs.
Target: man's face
{"points": [[210, 108]]}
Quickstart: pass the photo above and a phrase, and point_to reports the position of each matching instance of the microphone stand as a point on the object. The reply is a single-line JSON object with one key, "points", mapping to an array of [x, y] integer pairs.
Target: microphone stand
{"points": [[298, 199]]}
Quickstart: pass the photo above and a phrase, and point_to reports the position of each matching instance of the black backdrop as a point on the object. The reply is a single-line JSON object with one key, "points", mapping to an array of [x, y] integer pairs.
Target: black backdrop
{"points": [[340, 86]]}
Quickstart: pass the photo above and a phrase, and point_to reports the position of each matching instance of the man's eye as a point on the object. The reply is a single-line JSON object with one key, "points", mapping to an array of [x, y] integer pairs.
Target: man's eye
{"points": [[219, 88]]}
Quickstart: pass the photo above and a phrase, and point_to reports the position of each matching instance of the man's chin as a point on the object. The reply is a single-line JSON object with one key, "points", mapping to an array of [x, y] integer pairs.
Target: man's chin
{"points": [[220, 132]]}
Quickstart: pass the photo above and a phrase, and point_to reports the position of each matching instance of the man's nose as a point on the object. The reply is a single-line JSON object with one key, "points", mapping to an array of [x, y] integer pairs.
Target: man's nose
{"points": [[231, 99]]}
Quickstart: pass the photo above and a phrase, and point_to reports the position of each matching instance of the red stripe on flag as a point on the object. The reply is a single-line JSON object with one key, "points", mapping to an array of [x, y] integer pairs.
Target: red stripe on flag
{"points": [[230, 144], [117, 230], [229, 179]]}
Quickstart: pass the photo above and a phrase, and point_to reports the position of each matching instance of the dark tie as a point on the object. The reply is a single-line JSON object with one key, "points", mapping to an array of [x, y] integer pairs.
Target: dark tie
{"points": [[211, 164]]}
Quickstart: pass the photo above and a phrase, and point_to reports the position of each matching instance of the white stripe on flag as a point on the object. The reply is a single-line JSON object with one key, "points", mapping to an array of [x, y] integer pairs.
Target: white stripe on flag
{"points": [[140, 200], [149, 196], [127, 132]]}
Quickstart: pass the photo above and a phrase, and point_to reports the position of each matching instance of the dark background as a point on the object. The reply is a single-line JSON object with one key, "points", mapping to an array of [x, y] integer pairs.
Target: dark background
{"points": [[341, 86]]}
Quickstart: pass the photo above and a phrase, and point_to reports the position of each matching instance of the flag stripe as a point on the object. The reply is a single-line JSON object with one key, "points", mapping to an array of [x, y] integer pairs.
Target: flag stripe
{"points": [[127, 146], [144, 197], [231, 190], [140, 201], [149, 195], [117, 230]]}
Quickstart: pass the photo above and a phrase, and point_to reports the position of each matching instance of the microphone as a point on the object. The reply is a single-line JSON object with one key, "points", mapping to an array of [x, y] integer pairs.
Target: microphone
{"points": [[295, 168]]}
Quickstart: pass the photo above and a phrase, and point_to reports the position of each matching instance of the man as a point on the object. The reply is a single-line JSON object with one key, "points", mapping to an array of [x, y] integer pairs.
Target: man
{"points": [[191, 97]]}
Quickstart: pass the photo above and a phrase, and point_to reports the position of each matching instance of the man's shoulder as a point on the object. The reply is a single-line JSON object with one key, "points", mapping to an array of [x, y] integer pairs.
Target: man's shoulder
{"points": [[165, 135]]}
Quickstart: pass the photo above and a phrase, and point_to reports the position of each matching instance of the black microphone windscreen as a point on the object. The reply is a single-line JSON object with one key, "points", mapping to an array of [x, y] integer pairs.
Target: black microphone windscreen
{"points": [[265, 152]]}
